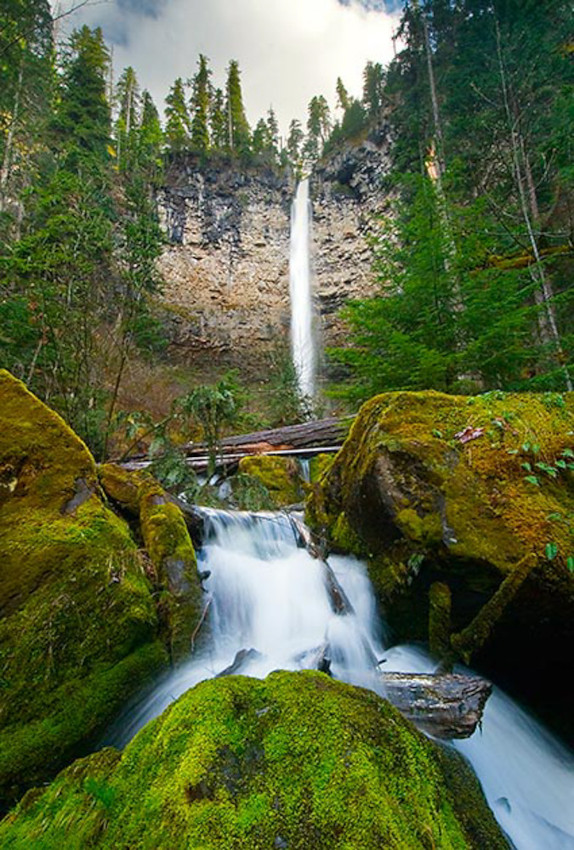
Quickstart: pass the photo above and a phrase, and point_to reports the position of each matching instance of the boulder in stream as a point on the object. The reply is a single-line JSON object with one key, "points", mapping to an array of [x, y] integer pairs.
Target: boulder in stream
{"points": [[468, 501], [297, 760]]}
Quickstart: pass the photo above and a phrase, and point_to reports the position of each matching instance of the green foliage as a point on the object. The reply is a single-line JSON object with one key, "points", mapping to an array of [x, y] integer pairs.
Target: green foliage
{"points": [[239, 134], [200, 141], [177, 126], [212, 407]]}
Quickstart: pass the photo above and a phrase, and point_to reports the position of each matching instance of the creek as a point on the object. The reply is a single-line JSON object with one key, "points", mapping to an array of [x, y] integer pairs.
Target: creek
{"points": [[268, 595]]}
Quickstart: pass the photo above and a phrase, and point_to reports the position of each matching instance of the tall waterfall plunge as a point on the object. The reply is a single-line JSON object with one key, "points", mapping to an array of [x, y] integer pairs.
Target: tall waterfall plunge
{"points": [[269, 596], [302, 338]]}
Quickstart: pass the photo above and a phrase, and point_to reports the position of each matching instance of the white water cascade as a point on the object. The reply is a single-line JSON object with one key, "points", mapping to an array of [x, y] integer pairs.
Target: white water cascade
{"points": [[302, 337], [268, 595]]}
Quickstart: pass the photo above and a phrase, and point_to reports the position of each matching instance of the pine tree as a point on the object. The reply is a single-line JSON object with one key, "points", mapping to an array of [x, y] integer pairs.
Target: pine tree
{"points": [[218, 121], [26, 74], [200, 105], [83, 118], [128, 101], [239, 134], [177, 127], [373, 88]]}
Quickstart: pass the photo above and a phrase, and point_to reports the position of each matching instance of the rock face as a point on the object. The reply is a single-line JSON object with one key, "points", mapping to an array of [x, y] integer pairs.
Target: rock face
{"points": [[80, 630], [297, 761], [227, 262], [468, 502]]}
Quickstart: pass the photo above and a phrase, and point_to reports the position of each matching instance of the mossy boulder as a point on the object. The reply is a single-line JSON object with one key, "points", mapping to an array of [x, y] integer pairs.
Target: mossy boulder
{"points": [[297, 761], [476, 493], [168, 544], [78, 621], [281, 476]]}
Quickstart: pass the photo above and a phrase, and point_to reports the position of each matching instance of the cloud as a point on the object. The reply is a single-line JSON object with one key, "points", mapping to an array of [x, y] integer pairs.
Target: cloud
{"points": [[288, 50]]}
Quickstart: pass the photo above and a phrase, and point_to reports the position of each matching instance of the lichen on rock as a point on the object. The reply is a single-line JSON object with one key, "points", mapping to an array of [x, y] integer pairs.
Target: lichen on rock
{"points": [[297, 760]]}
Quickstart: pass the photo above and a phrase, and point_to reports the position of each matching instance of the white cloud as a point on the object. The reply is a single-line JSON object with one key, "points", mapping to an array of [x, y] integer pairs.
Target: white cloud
{"points": [[288, 50]]}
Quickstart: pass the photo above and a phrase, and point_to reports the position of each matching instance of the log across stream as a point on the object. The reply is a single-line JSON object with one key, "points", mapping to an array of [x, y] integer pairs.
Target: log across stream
{"points": [[271, 605]]}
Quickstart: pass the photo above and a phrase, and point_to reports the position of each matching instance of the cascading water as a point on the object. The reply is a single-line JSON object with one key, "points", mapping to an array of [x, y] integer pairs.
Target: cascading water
{"points": [[302, 338], [268, 597]]}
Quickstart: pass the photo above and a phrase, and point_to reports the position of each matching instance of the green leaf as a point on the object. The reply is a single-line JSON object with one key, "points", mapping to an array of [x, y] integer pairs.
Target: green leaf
{"points": [[568, 453], [436, 433], [570, 563], [554, 517], [526, 466], [525, 447], [536, 448], [561, 464], [532, 479], [551, 551], [511, 451]]}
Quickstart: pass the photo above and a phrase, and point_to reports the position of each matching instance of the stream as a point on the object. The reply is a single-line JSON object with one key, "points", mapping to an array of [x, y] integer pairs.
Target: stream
{"points": [[267, 594]]}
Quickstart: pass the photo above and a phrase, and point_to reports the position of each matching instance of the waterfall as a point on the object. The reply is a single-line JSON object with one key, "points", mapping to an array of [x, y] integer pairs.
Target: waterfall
{"points": [[302, 339], [272, 602]]}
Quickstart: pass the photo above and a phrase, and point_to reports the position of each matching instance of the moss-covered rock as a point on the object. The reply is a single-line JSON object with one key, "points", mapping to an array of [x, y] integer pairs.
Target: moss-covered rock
{"points": [[168, 544], [281, 476], [473, 492], [78, 622], [297, 761]]}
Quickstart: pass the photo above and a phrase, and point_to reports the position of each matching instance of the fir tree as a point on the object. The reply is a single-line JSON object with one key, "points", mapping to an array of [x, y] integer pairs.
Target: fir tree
{"points": [[200, 104], [239, 134], [218, 121], [177, 127]]}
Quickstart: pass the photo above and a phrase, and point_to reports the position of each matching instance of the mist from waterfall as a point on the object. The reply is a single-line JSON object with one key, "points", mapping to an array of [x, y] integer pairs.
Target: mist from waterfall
{"points": [[302, 337]]}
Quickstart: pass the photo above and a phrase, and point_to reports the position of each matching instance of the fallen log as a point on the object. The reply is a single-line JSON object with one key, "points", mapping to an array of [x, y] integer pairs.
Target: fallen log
{"points": [[319, 432], [446, 706]]}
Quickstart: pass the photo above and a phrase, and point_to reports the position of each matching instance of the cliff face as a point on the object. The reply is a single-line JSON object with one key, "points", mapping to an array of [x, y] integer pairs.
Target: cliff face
{"points": [[226, 265]]}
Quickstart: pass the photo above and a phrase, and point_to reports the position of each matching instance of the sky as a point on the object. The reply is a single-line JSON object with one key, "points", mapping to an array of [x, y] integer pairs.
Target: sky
{"points": [[288, 50]]}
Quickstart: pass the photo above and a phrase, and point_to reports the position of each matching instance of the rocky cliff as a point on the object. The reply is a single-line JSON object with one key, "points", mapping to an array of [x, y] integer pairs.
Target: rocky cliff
{"points": [[226, 263]]}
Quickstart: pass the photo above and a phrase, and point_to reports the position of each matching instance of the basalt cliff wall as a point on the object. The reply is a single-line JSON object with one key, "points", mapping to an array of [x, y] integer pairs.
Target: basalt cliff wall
{"points": [[226, 260]]}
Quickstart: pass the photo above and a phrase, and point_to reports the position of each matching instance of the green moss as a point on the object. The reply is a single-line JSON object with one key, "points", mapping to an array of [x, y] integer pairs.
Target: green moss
{"points": [[236, 762], [168, 544], [280, 476], [472, 485], [78, 632]]}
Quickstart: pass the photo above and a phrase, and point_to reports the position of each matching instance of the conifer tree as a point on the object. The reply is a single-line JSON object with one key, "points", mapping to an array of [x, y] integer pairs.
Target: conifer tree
{"points": [[128, 102], [218, 121], [26, 74], [83, 117], [239, 134], [177, 127], [200, 104]]}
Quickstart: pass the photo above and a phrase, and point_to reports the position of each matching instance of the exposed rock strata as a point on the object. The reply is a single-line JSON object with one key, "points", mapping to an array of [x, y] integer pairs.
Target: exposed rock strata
{"points": [[227, 262]]}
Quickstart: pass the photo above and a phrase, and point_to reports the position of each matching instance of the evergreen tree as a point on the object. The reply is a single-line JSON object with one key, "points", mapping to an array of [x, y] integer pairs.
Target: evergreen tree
{"points": [[26, 74], [200, 107], [128, 100], [177, 126], [239, 134], [83, 118], [373, 88], [294, 145], [150, 136], [218, 121], [343, 99]]}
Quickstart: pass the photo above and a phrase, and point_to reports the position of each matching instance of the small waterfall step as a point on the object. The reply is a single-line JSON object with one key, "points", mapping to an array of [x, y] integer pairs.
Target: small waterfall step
{"points": [[270, 608]]}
